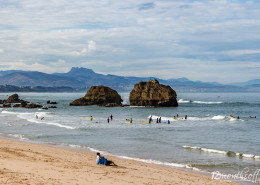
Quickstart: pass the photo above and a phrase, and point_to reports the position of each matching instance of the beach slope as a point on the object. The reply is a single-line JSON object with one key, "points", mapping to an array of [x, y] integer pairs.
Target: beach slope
{"points": [[27, 163]]}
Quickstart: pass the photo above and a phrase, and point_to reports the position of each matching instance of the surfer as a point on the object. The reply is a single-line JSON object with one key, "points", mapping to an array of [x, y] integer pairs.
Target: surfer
{"points": [[177, 115], [157, 120], [91, 118], [150, 119], [36, 116], [107, 119], [169, 122], [131, 120], [160, 119], [174, 117], [111, 117], [102, 160], [186, 117]]}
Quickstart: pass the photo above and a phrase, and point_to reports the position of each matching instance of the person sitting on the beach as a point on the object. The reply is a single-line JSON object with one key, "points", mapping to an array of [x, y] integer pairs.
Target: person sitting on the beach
{"points": [[104, 161]]}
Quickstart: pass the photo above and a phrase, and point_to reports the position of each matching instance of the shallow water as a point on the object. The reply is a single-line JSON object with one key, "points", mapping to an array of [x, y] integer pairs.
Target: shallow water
{"points": [[209, 140]]}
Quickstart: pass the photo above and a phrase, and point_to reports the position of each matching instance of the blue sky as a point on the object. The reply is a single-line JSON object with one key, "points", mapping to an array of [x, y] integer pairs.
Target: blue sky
{"points": [[207, 40]]}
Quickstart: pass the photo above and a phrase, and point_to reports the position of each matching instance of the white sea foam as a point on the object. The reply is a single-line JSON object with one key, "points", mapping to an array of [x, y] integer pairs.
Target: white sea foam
{"points": [[257, 157], [59, 125], [198, 102], [182, 118], [204, 102], [248, 155], [183, 101], [8, 112], [219, 117], [252, 156], [31, 118], [213, 151], [18, 136]]}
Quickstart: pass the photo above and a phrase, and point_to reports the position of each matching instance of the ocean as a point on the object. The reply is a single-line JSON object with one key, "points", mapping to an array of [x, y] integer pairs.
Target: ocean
{"points": [[208, 140]]}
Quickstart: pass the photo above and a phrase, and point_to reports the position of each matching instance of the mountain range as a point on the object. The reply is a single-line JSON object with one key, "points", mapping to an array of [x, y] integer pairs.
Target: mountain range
{"points": [[83, 78]]}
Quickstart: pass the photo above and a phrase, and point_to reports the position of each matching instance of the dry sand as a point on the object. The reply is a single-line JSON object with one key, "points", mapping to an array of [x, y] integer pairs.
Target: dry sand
{"points": [[26, 163]]}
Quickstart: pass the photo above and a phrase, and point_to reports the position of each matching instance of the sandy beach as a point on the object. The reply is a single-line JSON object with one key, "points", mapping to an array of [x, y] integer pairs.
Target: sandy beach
{"points": [[27, 163]]}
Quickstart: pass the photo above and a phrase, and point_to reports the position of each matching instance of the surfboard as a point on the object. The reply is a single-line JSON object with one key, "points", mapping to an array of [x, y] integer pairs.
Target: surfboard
{"points": [[128, 123], [86, 119], [145, 123]]}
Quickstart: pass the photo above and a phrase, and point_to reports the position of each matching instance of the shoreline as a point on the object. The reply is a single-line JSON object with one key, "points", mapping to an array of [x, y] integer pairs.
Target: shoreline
{"points": [[24, 162]]}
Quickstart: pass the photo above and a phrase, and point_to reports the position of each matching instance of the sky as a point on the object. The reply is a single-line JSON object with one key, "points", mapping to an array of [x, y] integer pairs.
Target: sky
{"points": [[206, 40]]}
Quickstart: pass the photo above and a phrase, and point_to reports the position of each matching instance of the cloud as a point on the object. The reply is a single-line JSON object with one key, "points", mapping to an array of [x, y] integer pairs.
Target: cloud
{"points": [[242, 52], [169, 39], [91, 46], [146, 6]]}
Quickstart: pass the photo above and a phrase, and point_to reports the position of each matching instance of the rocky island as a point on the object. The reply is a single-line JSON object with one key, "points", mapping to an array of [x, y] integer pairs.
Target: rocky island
{"points": [[99, 95], [153, 93], [15, 102]]}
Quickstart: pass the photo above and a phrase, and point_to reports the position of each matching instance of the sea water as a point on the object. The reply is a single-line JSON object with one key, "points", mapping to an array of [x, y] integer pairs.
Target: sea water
{"points": [[208, 140]]}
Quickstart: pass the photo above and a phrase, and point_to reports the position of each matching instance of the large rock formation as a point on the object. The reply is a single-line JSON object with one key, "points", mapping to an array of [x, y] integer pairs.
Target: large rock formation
{"points": [[153, 93], [99, 95]]}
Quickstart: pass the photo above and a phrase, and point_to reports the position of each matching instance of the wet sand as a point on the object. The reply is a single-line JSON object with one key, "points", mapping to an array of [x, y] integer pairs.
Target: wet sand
{"points": [[27, 163]]}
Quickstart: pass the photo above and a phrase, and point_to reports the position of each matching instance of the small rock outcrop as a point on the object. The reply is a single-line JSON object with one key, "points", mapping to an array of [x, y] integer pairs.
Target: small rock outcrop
{"points": [[99, 95], [13, 99], [51, 102], [153, 93], [32, 106]]}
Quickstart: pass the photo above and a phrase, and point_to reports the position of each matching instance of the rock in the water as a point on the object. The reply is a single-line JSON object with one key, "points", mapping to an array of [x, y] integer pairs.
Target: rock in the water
{"points": [[32, 105], [153, 93], [99, 95], [13, 99], [6, 106], [52, 107], [51, 102]]}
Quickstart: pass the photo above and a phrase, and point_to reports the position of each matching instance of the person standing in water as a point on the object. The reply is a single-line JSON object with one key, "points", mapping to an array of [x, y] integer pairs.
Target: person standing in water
{"points": [[186, 117], [150, 119], [131, 120], [160, 119], [107, 119], [111, 117], [91, 118]]}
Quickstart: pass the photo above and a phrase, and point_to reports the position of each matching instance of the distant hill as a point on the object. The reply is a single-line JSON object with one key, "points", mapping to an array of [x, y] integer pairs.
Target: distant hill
{"points": [[82, 78], [12, 88], [247, 83], [30, 78]]}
